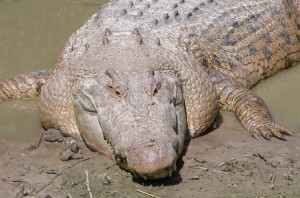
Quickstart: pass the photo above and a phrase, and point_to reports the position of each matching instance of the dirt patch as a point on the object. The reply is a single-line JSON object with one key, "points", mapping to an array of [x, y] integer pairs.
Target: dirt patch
{"points": [[226, 162]]}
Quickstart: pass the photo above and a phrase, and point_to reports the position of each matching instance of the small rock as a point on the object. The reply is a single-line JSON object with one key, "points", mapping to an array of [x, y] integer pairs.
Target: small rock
{"points": [[74, 146], [106, 180], [53, 135], [274, 164], [194, 178], [77, 156], [66, 155]]}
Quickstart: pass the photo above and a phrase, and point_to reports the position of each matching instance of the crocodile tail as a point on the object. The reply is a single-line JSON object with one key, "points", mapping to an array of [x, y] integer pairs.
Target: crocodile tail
{"points": [[23, 86]]}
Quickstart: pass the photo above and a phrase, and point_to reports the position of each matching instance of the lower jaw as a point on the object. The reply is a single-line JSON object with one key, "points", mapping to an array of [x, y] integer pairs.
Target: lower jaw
{"points": [[163, 173], [157, 175]]}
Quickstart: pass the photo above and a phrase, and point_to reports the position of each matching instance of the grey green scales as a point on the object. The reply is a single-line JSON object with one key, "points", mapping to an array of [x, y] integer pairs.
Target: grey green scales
{"points": [[137, 74]]}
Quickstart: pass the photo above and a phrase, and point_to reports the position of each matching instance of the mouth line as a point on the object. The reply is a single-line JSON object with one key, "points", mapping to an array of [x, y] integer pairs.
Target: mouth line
{"points": [[166, 172], [159, 173]]}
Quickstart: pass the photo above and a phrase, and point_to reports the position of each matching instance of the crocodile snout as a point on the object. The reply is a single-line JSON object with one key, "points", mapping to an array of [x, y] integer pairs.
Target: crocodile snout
{"points": [[153, 159]]}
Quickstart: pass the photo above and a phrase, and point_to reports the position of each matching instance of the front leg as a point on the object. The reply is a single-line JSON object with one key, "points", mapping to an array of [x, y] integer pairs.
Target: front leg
{"points": [[247, 106]]}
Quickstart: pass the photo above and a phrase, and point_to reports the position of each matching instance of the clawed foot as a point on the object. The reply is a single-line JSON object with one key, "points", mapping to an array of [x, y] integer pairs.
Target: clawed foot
{"points": [[270, 129]]}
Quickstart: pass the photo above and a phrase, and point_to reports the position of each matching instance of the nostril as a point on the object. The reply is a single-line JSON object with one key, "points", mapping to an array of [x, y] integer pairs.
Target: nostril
{"points": [[150, 144], [152, 159]]}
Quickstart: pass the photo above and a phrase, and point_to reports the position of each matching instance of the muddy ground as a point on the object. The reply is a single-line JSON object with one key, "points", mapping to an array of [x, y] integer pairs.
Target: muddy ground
{"points": [[225, 162]]}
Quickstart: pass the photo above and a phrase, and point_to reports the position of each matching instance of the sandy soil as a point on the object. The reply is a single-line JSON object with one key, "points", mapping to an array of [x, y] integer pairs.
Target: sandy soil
{"points": [[226, 162]]}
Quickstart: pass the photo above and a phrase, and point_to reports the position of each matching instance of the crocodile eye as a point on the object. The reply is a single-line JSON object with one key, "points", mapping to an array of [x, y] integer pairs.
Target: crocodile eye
{"points": [[118, 87], [119, 91]]}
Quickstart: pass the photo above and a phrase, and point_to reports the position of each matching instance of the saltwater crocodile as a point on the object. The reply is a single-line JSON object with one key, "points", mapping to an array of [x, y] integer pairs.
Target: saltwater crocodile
{"points": [[139, 73]]}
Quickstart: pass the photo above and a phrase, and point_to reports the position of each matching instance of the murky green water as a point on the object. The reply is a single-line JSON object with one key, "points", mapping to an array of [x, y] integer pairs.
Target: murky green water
{"points": [[33, 32], [32, 35], [282, 95]]}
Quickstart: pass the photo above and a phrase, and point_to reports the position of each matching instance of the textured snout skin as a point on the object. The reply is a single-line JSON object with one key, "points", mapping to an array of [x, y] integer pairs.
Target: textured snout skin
{"points": [[142, 126], [152, 160]]}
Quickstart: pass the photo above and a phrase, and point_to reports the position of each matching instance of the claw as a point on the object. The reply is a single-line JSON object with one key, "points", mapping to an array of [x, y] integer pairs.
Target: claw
{"points": [[266, 135], [264, 131], [282, 137], [284, 131], [255, 135], [287, 133], [269, 129]]}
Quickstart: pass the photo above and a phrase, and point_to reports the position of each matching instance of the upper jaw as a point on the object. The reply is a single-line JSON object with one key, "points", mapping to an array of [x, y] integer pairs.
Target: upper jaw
{"points": [[159, 173], [152, 160]]}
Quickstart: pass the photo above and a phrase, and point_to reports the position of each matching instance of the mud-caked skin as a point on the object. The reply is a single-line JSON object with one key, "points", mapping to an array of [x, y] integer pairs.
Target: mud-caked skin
{"points": [[137, 74]]}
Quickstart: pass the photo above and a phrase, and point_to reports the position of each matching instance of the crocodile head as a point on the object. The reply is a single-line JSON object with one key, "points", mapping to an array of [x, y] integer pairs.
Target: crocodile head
{"points": [[137, 117]]}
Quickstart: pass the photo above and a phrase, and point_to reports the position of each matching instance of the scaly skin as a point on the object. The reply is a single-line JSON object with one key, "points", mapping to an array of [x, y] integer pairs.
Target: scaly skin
{"points": [[117, 82], [25, 86]]}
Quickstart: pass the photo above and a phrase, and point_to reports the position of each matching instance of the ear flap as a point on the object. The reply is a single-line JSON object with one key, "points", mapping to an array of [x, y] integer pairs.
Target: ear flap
{"points": [[85, 100], [83, 94]]}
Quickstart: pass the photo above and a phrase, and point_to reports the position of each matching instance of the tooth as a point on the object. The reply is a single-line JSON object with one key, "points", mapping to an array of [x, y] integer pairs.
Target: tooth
{"points": [[144, 177], [174, 167], [170, 171]]}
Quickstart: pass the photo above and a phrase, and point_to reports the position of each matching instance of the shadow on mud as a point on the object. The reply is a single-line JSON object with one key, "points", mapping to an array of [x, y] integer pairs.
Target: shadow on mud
{"points": [[176, 177], [216, 124]]}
